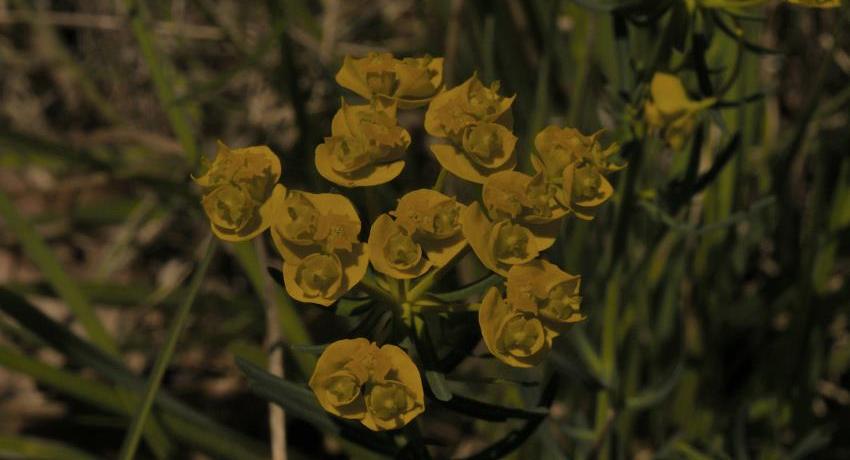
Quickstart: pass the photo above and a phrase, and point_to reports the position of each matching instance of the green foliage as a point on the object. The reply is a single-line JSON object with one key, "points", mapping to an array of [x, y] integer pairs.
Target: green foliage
{"points": [[715, 281]]}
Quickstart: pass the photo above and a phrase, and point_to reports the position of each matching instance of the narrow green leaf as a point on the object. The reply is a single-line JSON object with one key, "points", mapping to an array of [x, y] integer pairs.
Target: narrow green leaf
{"points": [[163, 76], [46, 261], [298, 401], [214, 436], [653, 396], [39, 449], [134, 433], [469, 290]]}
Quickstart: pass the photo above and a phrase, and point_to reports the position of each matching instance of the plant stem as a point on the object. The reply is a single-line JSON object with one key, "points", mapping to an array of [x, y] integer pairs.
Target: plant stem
{"points": [[131, 441], [277, 417]]}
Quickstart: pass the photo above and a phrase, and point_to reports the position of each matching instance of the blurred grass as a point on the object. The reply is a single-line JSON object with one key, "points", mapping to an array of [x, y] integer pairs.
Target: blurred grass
{"points": [[716, 280]]}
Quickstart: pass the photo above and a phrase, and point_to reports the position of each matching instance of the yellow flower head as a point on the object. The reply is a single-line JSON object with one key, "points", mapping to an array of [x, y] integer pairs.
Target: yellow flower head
{"points": [[576, 165], [516, 337], [237, 188], [425, 234], [317, 236], [476, 122], [412, 82], [380, 387], [670, 112], [542, 300], [393, 251], [515, 195], [545, 289], [366, 146], [501, 243]]}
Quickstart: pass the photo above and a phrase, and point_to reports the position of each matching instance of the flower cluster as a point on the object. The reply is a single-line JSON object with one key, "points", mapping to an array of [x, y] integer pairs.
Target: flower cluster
{"points": [[475, 122], [576, 166], [380, 387], [317, 236], [412, 82], [517, 217], [237, 189], [541, 301], [426, 233]]}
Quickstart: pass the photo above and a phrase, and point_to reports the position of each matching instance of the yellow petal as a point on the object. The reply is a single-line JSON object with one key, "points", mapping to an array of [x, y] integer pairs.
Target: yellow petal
{"points": [[335, 365], [317, 278], [392, 252], [373, 174], [435, 124], [489, 145], [457, 163], [429, 213], [511, 244], [494, 315], [477, 229], [441, 252], [406, 371]]}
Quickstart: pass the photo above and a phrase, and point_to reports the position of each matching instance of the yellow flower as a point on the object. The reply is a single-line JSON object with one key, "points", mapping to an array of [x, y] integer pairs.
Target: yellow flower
{"points": [[393, 251], [542, 300], [433, 220], [817, 3], [476, 122], [410, 81], [515, 195], [576, 165], [366, 146], [237, 188], [516, 337], [380, 387], [317, 236], [670, 112], [545, 289], [502, 243]]}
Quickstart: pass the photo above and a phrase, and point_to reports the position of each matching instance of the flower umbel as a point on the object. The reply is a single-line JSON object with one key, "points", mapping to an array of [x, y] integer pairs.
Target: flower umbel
{"points": [[426, 233], [576, 166], [366, 146], [412, 82], [541, 302], [380, 387], [317, 236], [475, 123], [237, 188]]}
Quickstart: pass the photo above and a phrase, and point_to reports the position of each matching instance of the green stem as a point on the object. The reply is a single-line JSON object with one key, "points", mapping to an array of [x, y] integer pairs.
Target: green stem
{"points": [[441, 180], [131, 441]]}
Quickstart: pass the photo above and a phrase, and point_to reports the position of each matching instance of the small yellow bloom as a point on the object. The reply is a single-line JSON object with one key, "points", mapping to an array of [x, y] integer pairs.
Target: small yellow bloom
{"points": [[515, 195], [670, 112], [516, 337], [433, 220], [576, 165], [412, 82], [317, 236], [393, 251], [475, 121], [542, 287], [542, 300], [366, 147], [502, 243], [380, 387], [237, 188]]}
